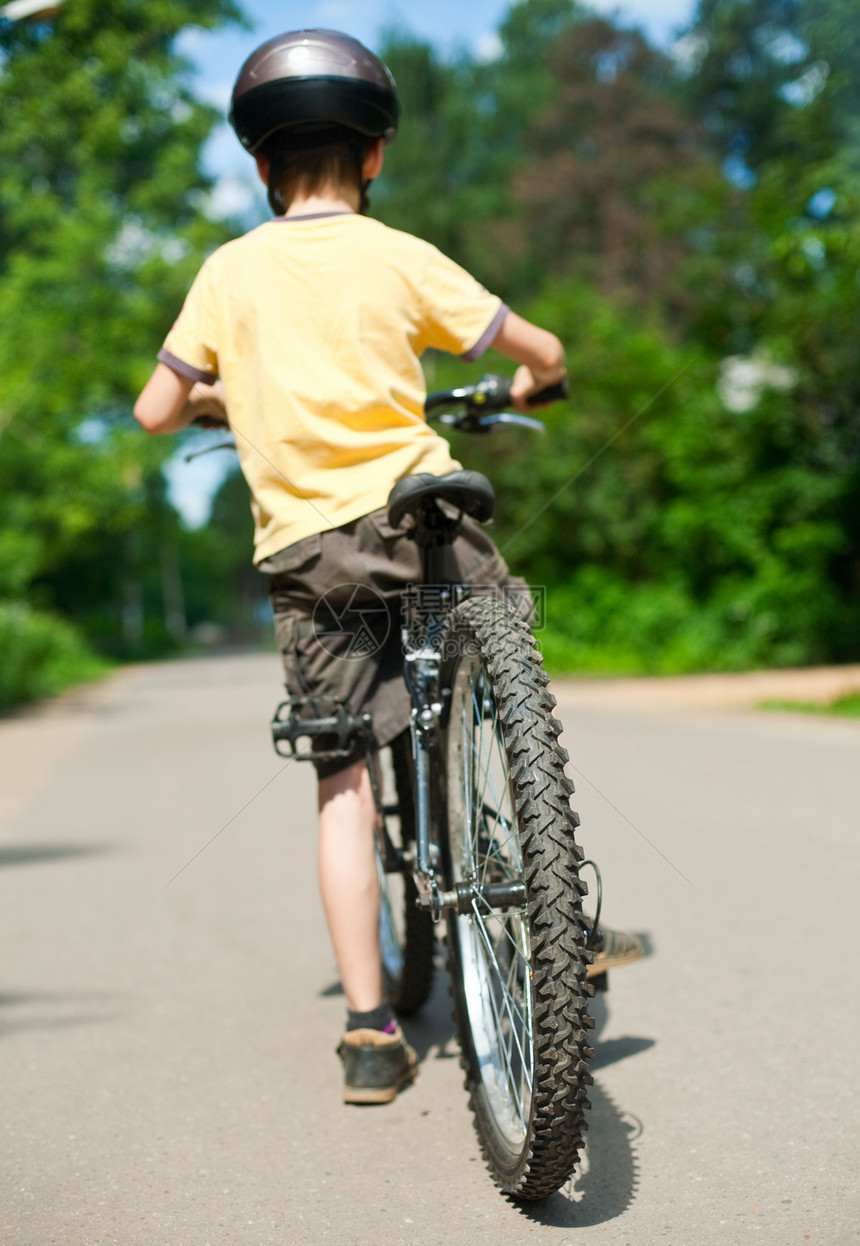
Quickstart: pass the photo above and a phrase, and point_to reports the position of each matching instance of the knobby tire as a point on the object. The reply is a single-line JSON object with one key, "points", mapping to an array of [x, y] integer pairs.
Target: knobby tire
{"points": [[519, 974]]}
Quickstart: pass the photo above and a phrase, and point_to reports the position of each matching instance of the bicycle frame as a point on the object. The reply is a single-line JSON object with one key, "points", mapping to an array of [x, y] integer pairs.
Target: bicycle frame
{"points": [[422, 672], [421, 633], [421, 668]]}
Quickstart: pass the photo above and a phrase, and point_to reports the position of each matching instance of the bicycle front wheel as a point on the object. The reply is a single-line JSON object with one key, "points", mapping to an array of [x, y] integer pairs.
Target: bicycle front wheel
{"points": [[518, 963]]}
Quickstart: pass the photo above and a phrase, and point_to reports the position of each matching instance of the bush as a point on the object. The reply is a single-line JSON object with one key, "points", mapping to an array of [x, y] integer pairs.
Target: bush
{"points": [[40, 654], [599, 623]]}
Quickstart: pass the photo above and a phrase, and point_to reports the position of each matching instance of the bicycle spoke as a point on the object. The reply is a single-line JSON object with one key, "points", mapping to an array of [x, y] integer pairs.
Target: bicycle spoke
{"points": [[487, 851], [480, 723], [514, 1013], [514, 1082], [478, 787], [513, 869], [513, 1016], [522, 953], [496, 809], [506, 1051], [487, 775]]}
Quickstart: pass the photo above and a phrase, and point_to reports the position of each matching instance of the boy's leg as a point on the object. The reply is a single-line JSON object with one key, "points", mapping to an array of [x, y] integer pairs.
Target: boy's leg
{"points": [[377, 1061], [349, 885]]}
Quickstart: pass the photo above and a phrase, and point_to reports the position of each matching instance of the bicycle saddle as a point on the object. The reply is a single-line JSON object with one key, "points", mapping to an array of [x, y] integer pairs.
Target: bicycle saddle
{"points": [[467, 491]]}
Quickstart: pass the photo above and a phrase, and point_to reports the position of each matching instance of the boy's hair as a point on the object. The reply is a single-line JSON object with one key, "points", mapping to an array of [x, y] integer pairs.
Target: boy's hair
{"points": [[310, 160]]}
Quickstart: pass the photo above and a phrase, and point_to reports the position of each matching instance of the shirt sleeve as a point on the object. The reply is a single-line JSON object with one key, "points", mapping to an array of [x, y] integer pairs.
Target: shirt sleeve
{"points": [[191, 346], [460, 316]]}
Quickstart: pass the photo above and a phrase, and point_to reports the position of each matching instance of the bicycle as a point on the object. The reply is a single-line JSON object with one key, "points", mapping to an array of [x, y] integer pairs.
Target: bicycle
{"points": [[475, 826]]}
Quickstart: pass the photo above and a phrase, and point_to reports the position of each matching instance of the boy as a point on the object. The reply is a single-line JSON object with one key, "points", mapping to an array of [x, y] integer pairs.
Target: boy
{"points": [[307, 333]]}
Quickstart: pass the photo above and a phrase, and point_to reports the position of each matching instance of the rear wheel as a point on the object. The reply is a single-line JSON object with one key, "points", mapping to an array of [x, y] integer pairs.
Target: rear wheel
{"points": [[518, 973], [406, 935]]}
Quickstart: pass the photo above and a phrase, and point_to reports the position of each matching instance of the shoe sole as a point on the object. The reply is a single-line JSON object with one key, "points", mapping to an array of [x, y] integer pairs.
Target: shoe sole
{"points": [[377, 1094], [613, 962]]}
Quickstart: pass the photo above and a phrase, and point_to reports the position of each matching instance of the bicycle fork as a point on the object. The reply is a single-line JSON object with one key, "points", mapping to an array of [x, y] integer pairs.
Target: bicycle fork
{"points": [[421, 669], [422, 677]]}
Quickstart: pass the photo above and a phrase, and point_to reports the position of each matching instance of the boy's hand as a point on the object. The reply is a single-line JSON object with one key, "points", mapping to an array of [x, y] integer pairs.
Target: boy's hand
{"points": [[169, 402], [207, 405], [523, 386], [540, 355], [209, 420]]}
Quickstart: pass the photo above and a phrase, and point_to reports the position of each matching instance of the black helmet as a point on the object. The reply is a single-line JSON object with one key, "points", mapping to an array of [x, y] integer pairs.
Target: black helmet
{"points": [[313, 79]]}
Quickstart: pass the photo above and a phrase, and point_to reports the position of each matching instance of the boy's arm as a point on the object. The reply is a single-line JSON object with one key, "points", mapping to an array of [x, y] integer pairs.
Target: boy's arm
{"points": [[539, 353], [168, 402]]}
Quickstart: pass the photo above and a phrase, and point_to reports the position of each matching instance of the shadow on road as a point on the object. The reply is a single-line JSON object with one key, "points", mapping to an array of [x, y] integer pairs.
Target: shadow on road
{"points": [[615, 1049], [47, 1010], [35, 854], [607, 1180]]}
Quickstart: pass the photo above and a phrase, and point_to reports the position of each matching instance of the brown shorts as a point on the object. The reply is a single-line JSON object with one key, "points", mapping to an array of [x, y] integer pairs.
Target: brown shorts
{"points": [[337, 602]]}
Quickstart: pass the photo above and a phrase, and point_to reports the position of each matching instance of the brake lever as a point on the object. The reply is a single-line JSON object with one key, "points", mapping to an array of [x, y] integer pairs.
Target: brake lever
{"points": [[513, 417], [475, 422], [221, 445]]}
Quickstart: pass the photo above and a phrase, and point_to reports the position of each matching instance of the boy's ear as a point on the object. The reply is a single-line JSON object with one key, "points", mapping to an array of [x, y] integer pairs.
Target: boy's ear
{"points": [[374, 159], [264, 166]]}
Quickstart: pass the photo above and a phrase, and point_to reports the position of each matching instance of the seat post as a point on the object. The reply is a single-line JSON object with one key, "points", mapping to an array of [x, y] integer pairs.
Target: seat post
{"points": [[420, 495], [433, 531]]}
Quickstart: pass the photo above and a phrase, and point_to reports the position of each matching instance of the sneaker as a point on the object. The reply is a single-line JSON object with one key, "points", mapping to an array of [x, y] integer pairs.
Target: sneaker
{"points": [[375, 1065], [611, 949]]}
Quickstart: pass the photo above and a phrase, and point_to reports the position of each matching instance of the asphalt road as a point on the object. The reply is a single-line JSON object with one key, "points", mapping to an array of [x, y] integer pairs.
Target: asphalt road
{"points": [[170, 1008]]}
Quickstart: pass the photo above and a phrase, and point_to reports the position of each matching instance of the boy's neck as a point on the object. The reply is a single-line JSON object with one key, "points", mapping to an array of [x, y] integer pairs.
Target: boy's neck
{"points": [[315, 205]]}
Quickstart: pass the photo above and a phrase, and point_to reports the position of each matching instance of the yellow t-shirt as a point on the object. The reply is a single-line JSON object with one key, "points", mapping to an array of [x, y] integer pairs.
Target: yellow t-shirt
{"points": [[316, 326]]}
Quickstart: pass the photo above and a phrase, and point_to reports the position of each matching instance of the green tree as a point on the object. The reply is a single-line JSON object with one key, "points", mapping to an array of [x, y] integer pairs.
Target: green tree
{"points": [[776, 79], [222, 587], [446, 177], [618, 184], [777, 83], [672, 531], [465, 131], [100, 229]]}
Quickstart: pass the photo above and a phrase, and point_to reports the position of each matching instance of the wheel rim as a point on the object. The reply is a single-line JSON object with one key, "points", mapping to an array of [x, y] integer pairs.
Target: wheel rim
{"points": [[390, 933], [494, 945], [391, 891]]}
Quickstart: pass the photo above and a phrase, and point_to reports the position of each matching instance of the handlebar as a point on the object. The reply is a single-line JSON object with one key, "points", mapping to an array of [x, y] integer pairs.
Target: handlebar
{"points": [[478, 408], [482, 406]]}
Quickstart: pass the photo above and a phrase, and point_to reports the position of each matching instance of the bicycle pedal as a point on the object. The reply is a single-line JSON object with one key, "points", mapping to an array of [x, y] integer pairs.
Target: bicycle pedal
{"points": [[290, 727]]}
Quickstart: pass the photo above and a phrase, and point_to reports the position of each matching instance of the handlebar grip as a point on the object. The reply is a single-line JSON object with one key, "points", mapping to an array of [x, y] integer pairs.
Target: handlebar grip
{"points": [[498, 393], [552, 393]]}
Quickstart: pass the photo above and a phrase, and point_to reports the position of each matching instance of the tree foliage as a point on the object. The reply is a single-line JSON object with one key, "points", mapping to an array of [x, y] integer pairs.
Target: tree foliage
{"points": [[693, 219], [618, 184], [100, 229], [688, 223]]}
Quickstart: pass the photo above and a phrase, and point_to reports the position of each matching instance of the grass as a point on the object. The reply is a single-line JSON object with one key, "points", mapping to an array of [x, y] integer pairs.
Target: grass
{"points": [[843, 707]]}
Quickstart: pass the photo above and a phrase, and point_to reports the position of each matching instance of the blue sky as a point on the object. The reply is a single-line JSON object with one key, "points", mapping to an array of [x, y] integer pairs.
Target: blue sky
{"points": [[449, 24]]}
